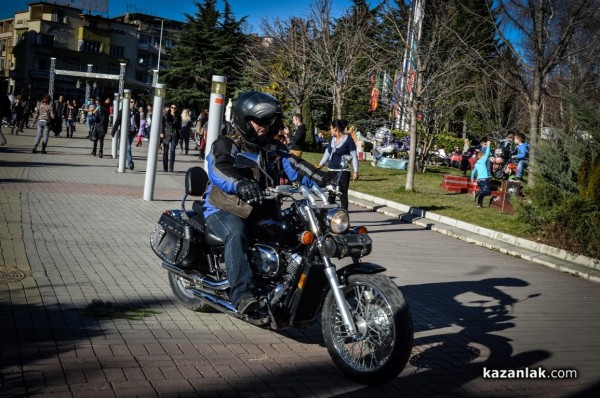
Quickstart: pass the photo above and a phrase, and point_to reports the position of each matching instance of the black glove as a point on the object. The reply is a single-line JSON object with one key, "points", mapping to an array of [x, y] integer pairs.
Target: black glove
{"points": [[250, 191]]}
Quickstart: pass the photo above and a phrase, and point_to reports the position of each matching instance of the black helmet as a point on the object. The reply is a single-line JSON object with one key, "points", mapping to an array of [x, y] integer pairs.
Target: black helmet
{"points": [[254, 104]]}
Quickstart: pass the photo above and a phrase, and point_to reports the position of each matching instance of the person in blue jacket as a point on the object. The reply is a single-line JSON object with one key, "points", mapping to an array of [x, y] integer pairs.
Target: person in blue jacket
{"points": [[521, 155], [257, 117], [481, 172]]}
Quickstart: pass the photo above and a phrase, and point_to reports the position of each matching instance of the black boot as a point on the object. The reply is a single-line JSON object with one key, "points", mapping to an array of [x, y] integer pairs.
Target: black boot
{"points": [[94, 152], [44, 148], [34, 150], [100, 154]]}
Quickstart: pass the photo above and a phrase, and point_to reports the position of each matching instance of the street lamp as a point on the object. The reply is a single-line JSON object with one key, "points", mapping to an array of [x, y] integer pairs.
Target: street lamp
{"points": [[155, 77]]}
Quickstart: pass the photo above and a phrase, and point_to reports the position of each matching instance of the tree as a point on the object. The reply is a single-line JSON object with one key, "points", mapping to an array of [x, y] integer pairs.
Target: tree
{"points": [[547, 29], [209, 44], [436, 62], [282, 59], [340, 44]]}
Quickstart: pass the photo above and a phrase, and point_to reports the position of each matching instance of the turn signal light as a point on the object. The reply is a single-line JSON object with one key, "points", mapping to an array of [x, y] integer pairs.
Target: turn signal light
{"points": [[307, 238], [362, 230]]}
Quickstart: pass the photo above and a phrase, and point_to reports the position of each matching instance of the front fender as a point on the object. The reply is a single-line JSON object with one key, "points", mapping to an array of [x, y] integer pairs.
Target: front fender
{"points": [[358, 268]]}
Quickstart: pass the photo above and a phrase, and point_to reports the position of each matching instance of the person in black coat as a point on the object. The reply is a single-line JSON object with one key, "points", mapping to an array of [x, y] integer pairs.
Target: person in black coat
{"points": [[171, 132], [100, 126]]}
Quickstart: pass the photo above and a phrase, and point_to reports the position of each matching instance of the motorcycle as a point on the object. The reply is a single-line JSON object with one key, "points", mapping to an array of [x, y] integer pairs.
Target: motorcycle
{"points": [[365, 320]]}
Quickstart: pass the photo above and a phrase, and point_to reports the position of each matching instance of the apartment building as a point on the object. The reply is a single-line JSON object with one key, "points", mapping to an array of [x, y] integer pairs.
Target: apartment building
{"points": [[6, 56], [78, 39]]}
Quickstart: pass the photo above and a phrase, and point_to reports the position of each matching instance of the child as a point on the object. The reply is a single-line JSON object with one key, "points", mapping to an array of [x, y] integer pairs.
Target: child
{"points": [[521, 155], [481, 171]]}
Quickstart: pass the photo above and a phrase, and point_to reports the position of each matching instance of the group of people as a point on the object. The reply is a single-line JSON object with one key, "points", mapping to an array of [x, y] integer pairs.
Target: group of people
{"points": [[482, 169]]}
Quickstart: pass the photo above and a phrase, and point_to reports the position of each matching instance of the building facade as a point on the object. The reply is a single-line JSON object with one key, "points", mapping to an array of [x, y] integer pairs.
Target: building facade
{"points": [[80, 42]]}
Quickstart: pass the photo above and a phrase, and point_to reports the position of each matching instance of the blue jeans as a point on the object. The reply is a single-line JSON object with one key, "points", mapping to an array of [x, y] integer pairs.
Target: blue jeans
{"points": [[521, 166], [169, 154], [232, 230], [128, 156], [42, 131]]}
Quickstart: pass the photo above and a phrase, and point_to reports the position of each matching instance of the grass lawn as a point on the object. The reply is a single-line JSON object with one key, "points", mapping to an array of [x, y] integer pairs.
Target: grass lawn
{"points": [[429, 195]]}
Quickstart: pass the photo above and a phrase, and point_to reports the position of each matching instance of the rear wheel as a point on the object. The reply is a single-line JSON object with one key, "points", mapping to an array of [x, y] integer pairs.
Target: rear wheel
{"points": [[384, 324], [180, 287]]}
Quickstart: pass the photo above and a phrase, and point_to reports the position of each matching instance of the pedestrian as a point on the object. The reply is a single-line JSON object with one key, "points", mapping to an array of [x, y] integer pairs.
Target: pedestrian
{"points": [[521, 155], [101, 126], [297, 140], [70, 118], [481, 172], [341, 144], [43, 115], [171, 131], [133, 125], [4, 109], [16, 115], [59, 108], [142, 128], [186, 129], [148, 122]]}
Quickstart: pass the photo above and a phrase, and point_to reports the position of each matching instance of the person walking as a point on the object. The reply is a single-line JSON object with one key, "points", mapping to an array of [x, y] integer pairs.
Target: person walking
{"points": [[133, 125], [142, 128], [341, 144], [186, 129], [4, 109], [171, 131], [17, 115], [70, 118], [100, 126], [59, 108], [43, 115]]}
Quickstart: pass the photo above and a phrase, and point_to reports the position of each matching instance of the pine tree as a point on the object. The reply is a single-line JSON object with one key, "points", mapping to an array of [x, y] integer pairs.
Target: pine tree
{"points": [[211, 43]]}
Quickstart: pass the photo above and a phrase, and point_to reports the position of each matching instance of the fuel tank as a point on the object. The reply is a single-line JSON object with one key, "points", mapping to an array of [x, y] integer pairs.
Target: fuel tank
{"points": [[280, 230]]}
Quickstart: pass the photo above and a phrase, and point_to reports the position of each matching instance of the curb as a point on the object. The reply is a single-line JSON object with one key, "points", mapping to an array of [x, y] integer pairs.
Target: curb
{"points": [[574, 264]]}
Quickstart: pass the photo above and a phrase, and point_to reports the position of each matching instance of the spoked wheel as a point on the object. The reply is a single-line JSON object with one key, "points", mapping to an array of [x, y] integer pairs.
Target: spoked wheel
{"points": [[180, 287], [384, 325]]}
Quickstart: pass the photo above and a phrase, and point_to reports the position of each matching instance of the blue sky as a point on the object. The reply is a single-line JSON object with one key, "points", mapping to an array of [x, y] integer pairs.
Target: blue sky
{"points": [[174, 9]]}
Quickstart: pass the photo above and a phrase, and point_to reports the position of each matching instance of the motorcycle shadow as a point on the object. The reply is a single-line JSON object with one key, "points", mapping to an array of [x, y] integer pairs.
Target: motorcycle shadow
{"points": [[458, 331]]}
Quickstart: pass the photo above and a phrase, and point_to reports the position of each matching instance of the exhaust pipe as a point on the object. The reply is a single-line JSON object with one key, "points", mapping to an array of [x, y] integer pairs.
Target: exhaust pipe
{"points": [[205, 281]]}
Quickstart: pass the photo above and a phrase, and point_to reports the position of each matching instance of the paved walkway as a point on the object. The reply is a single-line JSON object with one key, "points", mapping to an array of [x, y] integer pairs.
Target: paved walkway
{"points": [[78, 232]]}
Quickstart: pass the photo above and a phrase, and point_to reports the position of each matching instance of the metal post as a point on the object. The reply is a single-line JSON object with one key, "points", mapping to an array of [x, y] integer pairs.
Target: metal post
{"points": [[154, 77], [87, 82], [122, 78], [124, 135], [162, 21], [115, 113], [155, 128], [215, 111], [52, 72]]}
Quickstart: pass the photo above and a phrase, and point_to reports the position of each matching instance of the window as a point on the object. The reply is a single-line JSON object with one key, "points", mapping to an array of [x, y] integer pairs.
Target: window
{"points": [[43, 64], [90, 46], [44, 40], [117, 51], [58, 16]]}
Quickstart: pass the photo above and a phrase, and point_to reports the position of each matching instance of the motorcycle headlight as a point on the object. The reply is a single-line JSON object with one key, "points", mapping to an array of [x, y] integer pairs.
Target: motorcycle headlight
{"points": [[338, 221]]}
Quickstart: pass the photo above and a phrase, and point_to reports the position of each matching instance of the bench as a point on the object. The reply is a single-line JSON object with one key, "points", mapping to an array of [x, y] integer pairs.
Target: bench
{"points": [[455, 184]]}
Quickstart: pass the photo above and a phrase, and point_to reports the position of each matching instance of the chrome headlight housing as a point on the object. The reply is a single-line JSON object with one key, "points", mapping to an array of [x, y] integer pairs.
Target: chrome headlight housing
{"points": [[338, 221]]}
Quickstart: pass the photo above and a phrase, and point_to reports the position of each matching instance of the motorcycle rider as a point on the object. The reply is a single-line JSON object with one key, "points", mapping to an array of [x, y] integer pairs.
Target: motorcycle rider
{"points": [[235, 196]]}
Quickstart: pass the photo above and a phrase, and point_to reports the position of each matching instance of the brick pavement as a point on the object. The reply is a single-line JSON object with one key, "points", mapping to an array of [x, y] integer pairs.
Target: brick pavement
{"points": [[79, 230]]}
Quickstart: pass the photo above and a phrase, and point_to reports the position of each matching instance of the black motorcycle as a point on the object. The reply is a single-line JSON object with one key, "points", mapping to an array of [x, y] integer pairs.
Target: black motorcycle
{"points": [[365, 320]]}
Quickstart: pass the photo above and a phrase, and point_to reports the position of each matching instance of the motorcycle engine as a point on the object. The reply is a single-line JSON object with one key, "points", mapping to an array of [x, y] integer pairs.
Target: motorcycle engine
{"points": [[264, 260], [269, 262]]}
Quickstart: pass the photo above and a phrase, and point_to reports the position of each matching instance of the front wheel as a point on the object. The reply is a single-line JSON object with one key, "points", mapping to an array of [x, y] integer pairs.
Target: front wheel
{"points": [[180, 288], [384, 323]]}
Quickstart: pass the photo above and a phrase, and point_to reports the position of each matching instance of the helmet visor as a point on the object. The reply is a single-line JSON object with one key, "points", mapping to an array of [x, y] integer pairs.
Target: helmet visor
{"points": [[264, 121]]}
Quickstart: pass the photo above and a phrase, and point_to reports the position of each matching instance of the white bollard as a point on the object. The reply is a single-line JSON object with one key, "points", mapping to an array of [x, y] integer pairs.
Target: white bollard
{"points": [[123, 137], [215, 111], [113, 149], [155, 130]]}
